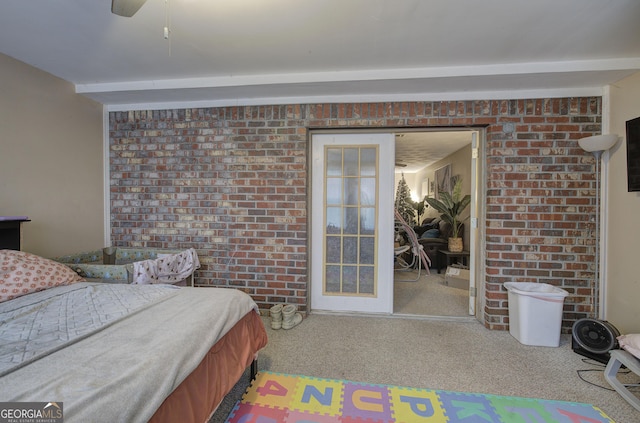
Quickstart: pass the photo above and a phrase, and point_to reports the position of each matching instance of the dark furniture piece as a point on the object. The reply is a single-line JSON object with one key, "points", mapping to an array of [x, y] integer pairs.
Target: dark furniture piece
{"points": [[11, 232], [449, 256], [434, 236]]}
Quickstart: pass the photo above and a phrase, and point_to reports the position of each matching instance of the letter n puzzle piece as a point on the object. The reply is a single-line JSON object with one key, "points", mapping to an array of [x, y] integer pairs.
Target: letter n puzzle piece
{"points": [[321, 396]]}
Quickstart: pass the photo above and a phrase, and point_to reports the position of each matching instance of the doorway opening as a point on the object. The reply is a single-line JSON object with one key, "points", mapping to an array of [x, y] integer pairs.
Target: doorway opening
{"points": [[427, 163], [352, 234]]}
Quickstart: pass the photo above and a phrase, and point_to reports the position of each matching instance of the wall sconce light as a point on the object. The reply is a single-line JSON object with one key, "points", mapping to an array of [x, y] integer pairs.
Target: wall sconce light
{"points": [[596, 145]]}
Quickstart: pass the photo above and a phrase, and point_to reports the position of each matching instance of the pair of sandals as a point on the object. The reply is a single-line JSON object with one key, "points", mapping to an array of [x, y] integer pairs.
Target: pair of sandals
{"points": [[284, 316]]}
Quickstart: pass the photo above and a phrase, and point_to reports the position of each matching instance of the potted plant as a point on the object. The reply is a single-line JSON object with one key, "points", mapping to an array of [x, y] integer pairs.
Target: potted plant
{"points": [[420, 207], [451, 205]]}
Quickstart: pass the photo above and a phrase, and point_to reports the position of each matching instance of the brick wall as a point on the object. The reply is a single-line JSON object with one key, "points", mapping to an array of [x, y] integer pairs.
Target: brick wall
{"points": [[232, 183]]}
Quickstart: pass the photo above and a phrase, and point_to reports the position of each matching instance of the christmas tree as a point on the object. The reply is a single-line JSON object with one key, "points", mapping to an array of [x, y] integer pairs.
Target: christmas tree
{"points": [[403, 202]]}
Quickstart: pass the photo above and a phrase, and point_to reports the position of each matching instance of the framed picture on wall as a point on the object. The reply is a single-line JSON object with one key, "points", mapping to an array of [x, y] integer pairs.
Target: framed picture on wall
{"points": [[443, 180]]}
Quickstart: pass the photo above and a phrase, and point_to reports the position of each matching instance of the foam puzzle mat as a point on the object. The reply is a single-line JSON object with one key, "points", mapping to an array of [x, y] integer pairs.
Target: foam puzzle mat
{"points": [[283, 398]]}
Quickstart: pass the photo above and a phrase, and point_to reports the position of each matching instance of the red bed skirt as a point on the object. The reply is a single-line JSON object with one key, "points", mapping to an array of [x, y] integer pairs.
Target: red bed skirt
{"points": [[197, 397]]}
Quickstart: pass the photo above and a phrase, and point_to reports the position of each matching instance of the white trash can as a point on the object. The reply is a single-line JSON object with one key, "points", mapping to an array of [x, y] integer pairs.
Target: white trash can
{"points": [[535, 312]]}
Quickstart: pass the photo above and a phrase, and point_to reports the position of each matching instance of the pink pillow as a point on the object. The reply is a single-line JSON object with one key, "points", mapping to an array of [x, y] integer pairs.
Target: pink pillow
{"points": [[23, 273]]}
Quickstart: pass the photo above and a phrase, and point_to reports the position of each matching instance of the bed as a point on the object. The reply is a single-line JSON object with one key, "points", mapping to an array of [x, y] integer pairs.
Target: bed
{"points": [[119, 352]]}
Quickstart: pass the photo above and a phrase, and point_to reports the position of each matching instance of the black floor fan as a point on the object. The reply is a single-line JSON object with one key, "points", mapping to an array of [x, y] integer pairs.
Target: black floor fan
{"points": [[594, 339]]}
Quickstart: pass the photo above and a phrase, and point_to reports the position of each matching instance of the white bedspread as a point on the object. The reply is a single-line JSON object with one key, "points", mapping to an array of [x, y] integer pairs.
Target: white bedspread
{"points": [[123, 370]]}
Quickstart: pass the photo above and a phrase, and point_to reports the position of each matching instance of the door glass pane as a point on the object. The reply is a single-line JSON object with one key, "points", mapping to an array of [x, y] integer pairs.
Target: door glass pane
{"points": [[333, 249], [332, 279], [351, 197], [351, 161], [367, 221], [351, 220], [367, 250], [334, 220], [350, 279], [334, 162], [350, 250], [350, 211], [334, 191], [366, 280], [367, 191], [368, 161]]}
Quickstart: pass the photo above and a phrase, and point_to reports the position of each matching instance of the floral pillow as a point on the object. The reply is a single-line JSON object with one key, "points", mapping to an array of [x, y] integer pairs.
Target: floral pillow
{"points": [[22, 273]]}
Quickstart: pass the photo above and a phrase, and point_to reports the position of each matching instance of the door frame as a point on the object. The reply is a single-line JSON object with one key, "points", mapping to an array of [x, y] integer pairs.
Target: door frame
{"points": [[478, 203]]}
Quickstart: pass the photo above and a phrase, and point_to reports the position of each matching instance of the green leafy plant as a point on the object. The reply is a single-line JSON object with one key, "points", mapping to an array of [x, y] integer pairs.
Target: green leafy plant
{"points": [[420, 207], [451, 205]]}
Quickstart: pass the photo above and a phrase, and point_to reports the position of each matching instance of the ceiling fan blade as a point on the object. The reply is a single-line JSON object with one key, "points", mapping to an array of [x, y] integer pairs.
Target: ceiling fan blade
{"points": [[126, 8]]}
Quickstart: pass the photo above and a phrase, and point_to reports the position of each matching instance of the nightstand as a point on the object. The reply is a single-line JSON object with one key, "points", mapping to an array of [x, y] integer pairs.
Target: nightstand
{"points": [[449, 256]]}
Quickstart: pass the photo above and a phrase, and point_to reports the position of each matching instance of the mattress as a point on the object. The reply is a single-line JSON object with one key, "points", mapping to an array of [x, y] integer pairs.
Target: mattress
{"points": [[197, 397], [126, 368]]}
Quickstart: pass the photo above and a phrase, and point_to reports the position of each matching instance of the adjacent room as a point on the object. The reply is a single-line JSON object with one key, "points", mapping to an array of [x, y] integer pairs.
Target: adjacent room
{"points": [[320, 211], [421, 158]]}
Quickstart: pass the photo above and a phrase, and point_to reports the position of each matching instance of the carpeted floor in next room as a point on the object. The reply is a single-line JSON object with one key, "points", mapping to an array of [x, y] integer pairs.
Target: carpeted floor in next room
{"points": [[428, 296], [456, 356]]}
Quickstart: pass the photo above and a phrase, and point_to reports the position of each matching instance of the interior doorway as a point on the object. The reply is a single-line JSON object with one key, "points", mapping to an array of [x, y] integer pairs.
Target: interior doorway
{"points": [[422, 157], [348, 193]]}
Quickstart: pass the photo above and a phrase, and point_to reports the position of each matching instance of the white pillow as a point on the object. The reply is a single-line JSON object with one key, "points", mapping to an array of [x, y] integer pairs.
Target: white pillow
{"points": [[630, 343]]}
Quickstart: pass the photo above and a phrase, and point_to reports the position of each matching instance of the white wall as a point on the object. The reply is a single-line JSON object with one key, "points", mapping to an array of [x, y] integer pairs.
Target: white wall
{"points": [[51, 166], [623, 221], [460, 165]]}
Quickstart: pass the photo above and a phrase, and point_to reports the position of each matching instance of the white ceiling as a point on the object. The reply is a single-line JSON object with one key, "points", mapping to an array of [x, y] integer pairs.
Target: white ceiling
{"points": [[244, 52], [225, 52], [416, 150]]}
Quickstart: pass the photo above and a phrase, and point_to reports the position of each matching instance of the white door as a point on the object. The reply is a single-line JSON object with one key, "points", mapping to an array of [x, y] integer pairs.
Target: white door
{"points": [[474, 240], [352, 222]]}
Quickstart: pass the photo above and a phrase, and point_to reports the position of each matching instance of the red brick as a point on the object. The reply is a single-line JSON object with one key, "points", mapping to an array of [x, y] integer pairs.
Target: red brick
{"points": [[249, 170]]}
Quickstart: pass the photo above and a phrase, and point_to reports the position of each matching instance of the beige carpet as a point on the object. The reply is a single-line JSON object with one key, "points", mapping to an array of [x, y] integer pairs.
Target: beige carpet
{"points": [[435, 354], [429, 296]]}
